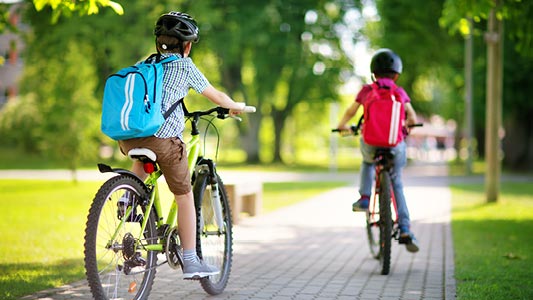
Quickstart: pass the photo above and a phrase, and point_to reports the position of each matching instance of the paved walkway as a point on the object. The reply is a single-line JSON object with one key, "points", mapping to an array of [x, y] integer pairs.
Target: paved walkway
{"points": [[317, 249]]}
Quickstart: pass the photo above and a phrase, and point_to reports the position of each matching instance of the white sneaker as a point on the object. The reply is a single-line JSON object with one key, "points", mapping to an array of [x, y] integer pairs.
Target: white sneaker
{"points": [[198, 269]]}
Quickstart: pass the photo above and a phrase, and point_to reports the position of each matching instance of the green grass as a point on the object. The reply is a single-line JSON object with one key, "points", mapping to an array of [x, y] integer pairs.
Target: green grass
{"points": [[493, 242], [43, 228], [42, 234]]}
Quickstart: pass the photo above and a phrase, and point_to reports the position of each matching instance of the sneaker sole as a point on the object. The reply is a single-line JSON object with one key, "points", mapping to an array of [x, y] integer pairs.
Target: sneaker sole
{"points": [[409, 245], [359, 209], [198, 275], [412, 247]]}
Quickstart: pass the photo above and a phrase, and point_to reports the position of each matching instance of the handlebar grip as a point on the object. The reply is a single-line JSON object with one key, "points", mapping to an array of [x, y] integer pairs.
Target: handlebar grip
{"points": [[249, 109], [335, 130], [416, 125]]}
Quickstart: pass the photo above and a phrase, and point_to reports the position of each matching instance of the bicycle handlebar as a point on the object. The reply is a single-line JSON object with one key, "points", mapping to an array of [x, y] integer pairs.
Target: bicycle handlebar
{"points": [[248, 109], [221, 112], [355, 129]]}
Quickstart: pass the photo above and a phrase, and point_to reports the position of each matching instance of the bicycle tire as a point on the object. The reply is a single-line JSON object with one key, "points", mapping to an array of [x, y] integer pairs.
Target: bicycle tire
{"points": [[385, 221], [113, 269], [214, 245], [373, 231]]}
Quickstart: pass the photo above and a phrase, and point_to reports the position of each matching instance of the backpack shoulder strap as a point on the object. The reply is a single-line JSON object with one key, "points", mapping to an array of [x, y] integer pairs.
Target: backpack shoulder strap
{"points": [[378, 86], [157, 57], [174, 106]]}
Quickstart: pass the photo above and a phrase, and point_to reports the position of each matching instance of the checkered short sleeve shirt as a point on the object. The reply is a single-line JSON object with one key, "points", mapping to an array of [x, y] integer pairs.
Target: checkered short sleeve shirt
{"points": [[179, 77]]}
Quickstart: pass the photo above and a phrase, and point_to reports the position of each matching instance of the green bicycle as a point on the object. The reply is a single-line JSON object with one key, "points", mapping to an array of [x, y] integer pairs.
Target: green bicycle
{"points": [[124, 240]]}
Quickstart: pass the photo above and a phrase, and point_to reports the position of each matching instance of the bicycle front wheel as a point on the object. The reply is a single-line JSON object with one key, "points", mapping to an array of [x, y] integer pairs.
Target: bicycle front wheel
{"points": [[117, 266], [385, 222], [373, 230], [214, 229]]}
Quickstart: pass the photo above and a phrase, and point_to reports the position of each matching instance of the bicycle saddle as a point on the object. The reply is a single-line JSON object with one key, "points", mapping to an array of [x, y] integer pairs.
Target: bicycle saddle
{"points": [[385, 156], [142, 154]]}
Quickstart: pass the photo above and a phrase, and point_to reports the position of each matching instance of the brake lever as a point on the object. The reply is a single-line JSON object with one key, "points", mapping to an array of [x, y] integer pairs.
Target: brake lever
{"points": [[234, 117]]}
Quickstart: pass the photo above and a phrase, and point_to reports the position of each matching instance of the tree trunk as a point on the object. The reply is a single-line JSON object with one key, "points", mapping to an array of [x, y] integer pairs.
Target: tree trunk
{"points": [[518, 144], [494, 40], [250, 137], [279, 118]]}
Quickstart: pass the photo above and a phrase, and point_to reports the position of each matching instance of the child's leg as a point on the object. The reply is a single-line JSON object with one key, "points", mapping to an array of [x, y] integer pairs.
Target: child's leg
{"points": [[400, 161], [186, 220], [406, 236], [367, 178], [367, 169], [192, 266]]}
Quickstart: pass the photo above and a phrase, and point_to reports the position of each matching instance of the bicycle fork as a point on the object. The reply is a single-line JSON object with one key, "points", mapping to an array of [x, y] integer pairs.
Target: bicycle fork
{"points": [[207, 166], [217, 207]]}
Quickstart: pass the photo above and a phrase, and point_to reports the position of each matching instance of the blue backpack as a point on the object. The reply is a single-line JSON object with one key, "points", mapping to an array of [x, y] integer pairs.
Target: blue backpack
{"points": [[131, 105]]}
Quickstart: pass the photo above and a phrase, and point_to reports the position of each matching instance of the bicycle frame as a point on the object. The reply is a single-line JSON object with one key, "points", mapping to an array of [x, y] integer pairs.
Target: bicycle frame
{"points": [[193, 151]]}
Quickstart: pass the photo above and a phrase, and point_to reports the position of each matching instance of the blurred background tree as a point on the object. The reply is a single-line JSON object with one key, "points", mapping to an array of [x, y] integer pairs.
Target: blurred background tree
{"points": [[291, 59], [517, 17]]}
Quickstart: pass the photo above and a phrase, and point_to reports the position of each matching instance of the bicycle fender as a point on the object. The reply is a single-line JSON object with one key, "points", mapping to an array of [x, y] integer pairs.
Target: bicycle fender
{"points": [[103, 168]]}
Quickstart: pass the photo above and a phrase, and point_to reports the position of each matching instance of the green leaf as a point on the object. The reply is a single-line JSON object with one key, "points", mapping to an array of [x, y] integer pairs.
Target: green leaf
{"points": [[116, 7]]}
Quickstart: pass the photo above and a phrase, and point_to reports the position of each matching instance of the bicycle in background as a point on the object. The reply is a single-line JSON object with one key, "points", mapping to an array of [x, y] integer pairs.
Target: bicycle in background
{"points": [[382, 214], [127, 235]]}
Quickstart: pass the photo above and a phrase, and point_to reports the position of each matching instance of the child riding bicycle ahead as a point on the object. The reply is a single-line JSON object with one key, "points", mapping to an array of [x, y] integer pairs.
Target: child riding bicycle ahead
{"points": [[175, 32], [386, 66]]}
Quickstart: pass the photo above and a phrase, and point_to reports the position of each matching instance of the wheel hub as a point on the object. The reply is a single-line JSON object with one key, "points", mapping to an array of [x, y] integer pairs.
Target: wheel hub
{"points": [[128, 242]]}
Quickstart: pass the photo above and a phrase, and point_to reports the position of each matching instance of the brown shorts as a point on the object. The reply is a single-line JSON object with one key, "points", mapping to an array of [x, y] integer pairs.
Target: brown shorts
{"points": [[171, 157]]}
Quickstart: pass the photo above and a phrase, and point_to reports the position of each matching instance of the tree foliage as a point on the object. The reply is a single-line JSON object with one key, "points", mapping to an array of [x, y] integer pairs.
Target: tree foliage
{"points": [[431, 58], [285, 57], [66, 64], [273, 58], [517, 16], [63, 89], [82, 7]]}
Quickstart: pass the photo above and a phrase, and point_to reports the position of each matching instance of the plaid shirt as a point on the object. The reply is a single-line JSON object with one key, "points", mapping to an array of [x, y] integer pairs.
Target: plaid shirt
{"points": [[179, 76]]}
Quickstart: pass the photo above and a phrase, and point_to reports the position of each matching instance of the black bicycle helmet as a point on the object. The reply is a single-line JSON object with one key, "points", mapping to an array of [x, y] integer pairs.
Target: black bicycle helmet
{"points": [[177, 24], [385, 61]]}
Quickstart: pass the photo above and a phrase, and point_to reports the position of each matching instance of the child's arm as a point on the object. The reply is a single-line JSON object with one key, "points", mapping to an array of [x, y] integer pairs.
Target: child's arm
{"points": [[348, 114], [411, 115], [221, 99]]}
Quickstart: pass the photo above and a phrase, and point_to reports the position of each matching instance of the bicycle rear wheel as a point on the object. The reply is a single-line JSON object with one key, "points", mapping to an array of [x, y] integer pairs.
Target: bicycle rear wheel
{"points": [[385, 222], [214, 233], [117, 266]]}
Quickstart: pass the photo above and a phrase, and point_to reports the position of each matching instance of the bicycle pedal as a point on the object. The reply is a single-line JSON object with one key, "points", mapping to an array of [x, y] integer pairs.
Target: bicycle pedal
{"points": [[196, 277]]}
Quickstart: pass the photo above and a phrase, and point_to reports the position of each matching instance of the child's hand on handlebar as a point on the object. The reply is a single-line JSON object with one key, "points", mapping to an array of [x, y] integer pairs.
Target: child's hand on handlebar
{"points": [[241, 108], [237, 109], [345, 129]]}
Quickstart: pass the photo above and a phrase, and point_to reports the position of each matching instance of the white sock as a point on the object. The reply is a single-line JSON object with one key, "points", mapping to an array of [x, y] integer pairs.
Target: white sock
{"points": [[190, 256]]}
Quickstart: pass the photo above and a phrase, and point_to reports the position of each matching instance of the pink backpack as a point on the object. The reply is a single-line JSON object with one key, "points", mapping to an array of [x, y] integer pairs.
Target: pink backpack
{"points": [[383, 117]]}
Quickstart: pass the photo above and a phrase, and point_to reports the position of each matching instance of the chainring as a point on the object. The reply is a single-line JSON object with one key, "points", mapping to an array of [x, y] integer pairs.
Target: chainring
{"points": [[173, 249]]}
